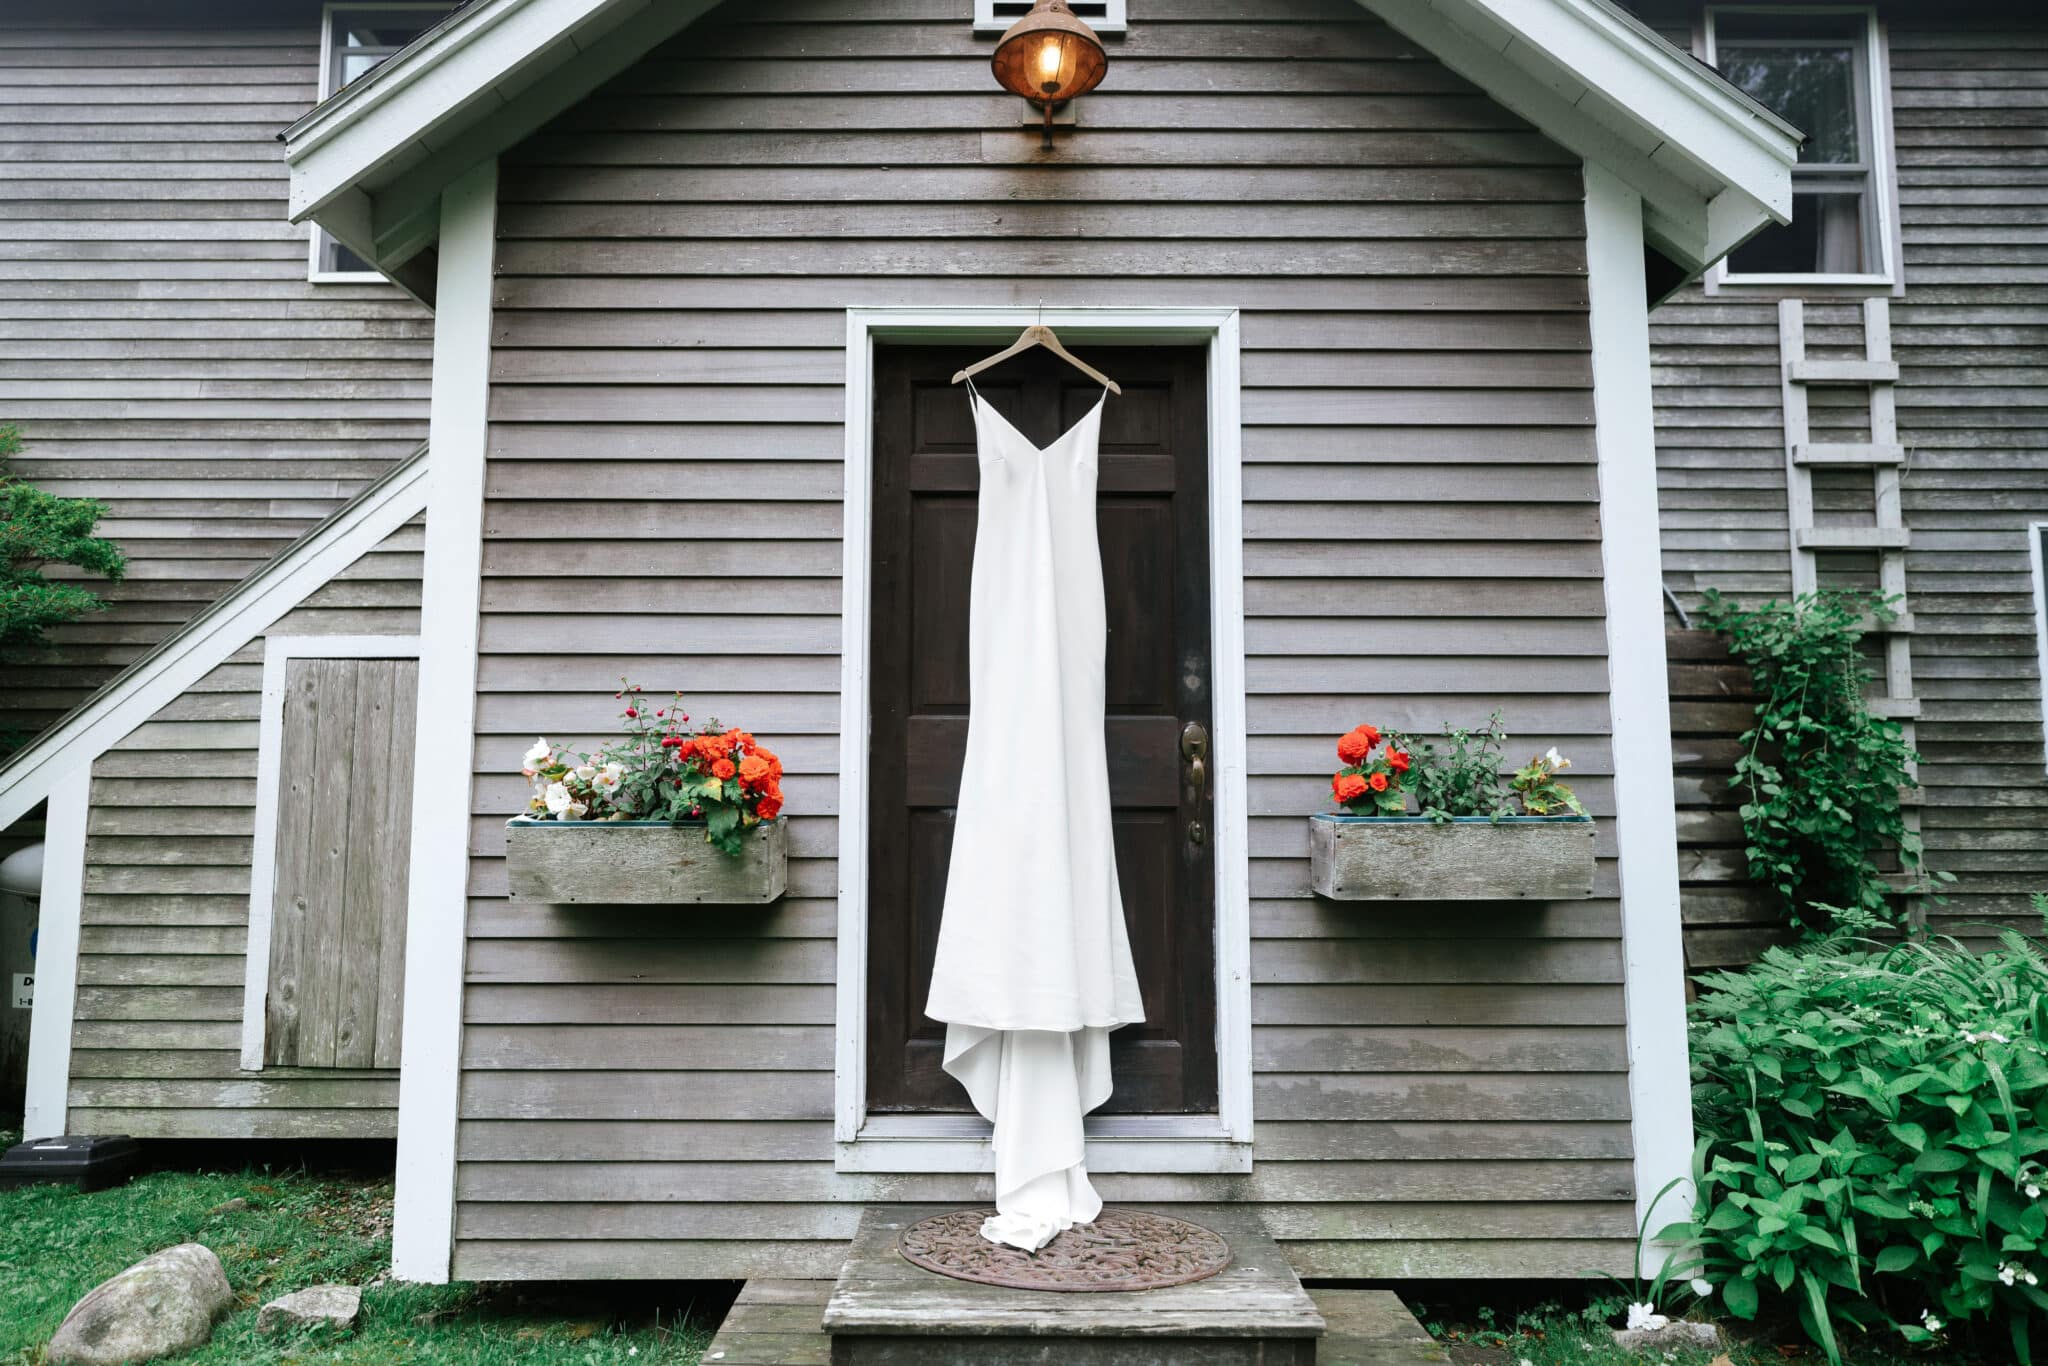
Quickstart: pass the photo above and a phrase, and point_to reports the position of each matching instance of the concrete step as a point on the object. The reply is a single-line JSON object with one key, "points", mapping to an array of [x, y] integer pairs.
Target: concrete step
{"points": [[780, 1323], [884, 1311]]}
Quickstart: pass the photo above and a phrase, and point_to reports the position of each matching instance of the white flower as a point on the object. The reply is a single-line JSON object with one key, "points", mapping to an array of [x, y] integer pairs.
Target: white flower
{"points": [[587, 772], [608, 778], [1988, 1036], [1702, 1287], [574, 811], [1646, 1316], [1929, 1322], [2033, 1191], [558, 799], [541, 752], [2008, 1273], [1554, 759]]}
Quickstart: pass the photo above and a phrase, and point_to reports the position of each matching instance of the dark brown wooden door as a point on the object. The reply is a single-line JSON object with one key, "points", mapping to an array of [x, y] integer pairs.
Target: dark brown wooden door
{"points": [[1152, 515]]}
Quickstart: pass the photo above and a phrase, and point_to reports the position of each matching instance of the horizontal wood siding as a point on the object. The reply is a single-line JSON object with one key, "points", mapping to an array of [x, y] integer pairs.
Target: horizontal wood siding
{"points": [[1970, 333], [650, 1095], [160, 347], [157, 1033]]}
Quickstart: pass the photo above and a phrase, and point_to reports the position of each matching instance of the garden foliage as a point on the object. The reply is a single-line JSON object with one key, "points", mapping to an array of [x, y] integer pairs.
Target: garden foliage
{"points": [[1820, 774], [1459, 777], [1873, 1119], [38, 529], [660, 770]]}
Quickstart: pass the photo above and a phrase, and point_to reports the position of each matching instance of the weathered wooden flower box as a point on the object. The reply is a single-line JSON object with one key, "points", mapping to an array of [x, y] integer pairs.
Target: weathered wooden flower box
{"points": [[1470, 858], [642, 862]]}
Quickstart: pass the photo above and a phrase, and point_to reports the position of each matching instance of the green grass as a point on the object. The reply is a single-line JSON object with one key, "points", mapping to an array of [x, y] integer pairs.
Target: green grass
{"points": [[56, 1244]]}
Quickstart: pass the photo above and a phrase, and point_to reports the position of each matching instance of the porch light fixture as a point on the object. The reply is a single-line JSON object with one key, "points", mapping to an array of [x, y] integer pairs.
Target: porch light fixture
{"points": [[1050, 57]]}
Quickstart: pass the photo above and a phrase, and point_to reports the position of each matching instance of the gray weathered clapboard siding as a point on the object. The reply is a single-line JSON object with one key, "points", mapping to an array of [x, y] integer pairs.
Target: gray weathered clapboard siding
{"points": [[157, 1032], [1970, 332], [160, 346], [650, 1095]]}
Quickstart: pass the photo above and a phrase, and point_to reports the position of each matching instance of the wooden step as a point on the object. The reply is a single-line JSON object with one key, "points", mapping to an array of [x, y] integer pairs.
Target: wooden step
{"points": [[1853, 538], [780, 1323], [885, 1311], [1848, 453], [1843, 371]]}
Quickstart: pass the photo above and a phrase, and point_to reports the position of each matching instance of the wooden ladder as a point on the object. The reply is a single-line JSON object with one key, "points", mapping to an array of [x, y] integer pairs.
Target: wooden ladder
{"points": [[1885, 458]]}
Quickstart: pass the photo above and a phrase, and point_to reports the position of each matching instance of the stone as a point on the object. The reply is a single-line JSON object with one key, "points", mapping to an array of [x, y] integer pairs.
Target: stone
{"points": [[238, 1205], [1673, 1335], [161, 1306], [318, 1306]]}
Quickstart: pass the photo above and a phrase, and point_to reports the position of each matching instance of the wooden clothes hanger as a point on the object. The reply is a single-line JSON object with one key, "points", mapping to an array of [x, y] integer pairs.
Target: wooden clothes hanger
{"points": [[1038, 334]]}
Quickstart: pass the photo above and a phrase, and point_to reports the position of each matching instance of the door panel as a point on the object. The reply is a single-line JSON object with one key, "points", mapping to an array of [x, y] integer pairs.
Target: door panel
{"points": [[1152, 515]]}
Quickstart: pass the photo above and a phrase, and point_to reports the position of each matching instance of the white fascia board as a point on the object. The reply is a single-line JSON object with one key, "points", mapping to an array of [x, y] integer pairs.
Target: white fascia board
{"points": [[225, 627], [1618, 98]]}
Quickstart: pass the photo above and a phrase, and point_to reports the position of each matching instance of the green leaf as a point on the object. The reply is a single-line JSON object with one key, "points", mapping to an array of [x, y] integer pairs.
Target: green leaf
{"points": [[1914, 1136], [1940, 1160], [1897, 1258], [1740, 1295]]}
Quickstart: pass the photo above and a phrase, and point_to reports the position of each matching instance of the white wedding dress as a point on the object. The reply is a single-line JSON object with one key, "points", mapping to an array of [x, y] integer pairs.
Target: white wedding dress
{"points": [[1034, 963]]}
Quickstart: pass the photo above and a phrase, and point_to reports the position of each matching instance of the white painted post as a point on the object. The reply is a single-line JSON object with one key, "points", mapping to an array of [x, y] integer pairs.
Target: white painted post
{"points": [[1653, 950], [49, 1026], [430, 1077]]}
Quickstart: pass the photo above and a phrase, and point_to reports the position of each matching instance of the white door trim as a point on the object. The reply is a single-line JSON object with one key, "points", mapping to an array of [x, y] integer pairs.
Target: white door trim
{"points": [[278, 652], [1639, 700], [437, 896], [948, 1143]]}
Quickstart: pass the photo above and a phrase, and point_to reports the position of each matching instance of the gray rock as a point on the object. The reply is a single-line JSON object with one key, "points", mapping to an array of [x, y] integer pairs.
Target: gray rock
{"points": [[159, 1307], [317, 1306], [1678, 1333], [235, 1206]]}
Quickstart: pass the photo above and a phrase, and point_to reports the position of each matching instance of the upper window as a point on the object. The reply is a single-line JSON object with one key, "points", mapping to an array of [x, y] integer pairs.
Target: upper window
{"points": [[356, 40], [1820, 71], [1104, 16]]}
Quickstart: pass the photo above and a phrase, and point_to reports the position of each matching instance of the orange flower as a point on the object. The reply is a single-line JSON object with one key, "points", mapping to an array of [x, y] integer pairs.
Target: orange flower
{"points": [[774, 764], [1353, 747], [713, 747], [722, 769], [770, 805], [1377, 782], [754, 771], [1349, 787], [1398, 760]]}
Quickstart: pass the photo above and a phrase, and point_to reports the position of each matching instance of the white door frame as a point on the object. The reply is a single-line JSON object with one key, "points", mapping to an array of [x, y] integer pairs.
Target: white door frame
{"points": [[953, 1143], [278, 652]]}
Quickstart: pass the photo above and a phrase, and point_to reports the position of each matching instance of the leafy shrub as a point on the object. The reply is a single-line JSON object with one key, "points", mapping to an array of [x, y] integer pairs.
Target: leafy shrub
{"points": [[38, 529], [1820, 773], [1872, 1123]]}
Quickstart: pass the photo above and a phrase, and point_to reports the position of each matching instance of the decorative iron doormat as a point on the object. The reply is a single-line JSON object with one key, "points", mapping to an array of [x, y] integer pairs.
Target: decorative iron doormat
{"points": [[1122, 1250]]}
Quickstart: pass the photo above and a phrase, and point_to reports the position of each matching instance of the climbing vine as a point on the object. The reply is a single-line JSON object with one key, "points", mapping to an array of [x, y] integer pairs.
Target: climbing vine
{"points": [[1820, 774]]}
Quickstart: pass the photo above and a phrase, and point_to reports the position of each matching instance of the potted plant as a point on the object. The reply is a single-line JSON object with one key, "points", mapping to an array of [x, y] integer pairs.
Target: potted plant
{"points": [[665, 814], [1466, 840]]}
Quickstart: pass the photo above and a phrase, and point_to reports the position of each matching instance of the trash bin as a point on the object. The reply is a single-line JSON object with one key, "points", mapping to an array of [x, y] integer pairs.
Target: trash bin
{"points": [[21, 889]]}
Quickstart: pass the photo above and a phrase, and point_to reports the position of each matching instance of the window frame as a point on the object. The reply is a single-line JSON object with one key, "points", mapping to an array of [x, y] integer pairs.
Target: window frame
{"points": [[1115, 18], [319, 237], [1873, 93]]}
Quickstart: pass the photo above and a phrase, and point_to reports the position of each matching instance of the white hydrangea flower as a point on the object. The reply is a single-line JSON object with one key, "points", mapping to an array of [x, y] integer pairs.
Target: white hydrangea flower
{"points": [[1645, 1316]]}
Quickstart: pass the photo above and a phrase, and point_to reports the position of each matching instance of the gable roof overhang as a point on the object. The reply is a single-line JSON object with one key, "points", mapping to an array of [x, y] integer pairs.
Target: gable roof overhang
{"points": [[205, 642], [1712, 165]]}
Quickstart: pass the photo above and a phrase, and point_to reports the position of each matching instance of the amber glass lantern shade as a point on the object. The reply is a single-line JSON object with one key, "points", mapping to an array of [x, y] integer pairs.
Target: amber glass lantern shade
{"points": [[1050, 56]]}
